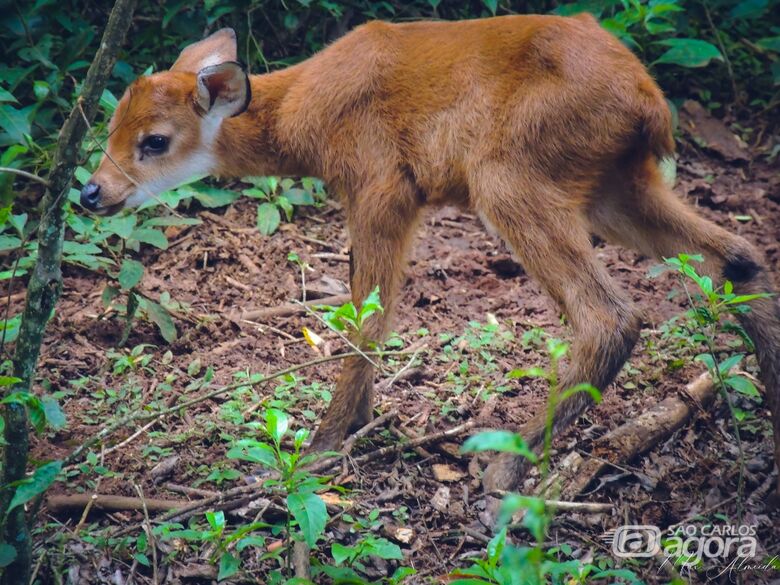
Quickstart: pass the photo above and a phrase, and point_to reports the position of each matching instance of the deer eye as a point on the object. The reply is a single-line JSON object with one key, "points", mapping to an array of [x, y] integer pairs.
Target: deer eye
{"points": [[154, 144]]}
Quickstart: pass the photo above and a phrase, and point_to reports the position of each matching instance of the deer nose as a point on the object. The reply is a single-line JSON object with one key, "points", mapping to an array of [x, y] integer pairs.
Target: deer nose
{"points": [[90, 196]]}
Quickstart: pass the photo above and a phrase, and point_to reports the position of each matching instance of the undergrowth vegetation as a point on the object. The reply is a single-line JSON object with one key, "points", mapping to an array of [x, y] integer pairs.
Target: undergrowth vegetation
{"points": [[725, 54]]}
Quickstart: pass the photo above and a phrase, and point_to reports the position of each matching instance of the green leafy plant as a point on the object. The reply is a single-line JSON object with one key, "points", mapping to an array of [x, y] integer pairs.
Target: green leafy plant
{"points": [[226, 543], [307, 514], [281, 197], [507, 564], [710, 318], [347, 318]]}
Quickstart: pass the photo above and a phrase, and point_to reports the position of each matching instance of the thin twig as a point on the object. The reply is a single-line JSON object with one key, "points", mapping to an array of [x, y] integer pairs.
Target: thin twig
{"points": [[149, 535], [143, 416], [25, 174], [121, 170], [565, 506], [132, 437], [368, 428], [346, 339], [716, 34]]}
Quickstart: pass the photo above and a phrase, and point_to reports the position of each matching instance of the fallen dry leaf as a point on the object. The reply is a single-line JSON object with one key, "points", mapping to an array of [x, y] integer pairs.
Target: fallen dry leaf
{"points": [[441, 499], [444, 472]]}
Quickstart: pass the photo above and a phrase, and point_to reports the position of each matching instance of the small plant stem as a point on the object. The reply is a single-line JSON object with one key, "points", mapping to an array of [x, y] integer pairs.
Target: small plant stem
{"points": [[552, 404], [727, 61], [717, 377], [149, 534]]}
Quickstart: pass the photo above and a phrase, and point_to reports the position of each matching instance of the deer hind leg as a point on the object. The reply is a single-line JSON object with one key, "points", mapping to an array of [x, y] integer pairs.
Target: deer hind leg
{"points": [[552, 242], [639, 211], [381, 221]]}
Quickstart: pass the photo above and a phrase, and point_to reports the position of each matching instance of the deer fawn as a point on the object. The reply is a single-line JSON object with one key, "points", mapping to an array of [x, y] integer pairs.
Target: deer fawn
{"points": [[547, 127]]}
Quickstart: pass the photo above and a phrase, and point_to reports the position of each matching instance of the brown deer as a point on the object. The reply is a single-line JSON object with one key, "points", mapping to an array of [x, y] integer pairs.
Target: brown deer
{"points": [[547, 127]]}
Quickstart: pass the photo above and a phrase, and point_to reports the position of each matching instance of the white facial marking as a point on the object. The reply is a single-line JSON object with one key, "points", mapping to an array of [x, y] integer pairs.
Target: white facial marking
{"points": [[201, 162]]}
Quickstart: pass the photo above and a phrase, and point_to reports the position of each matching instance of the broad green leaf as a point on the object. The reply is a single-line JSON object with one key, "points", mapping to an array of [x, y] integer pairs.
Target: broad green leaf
{"points": [[9, 242], [470, 581], [749, 9], [536, 517], [162, 318], [212, 197], [532, 372], [71, 247], [253, 540], [743, 386], [7, 96], [770, 43], [7, 554], [400, 574], [253, 451], [268, 218], [121, 225], [82, 175], [502, 441], [14, 122], [6, 381], [299, 196], [27, 489], [9, 330], [276, 423], [130, 274], [341, 553], [216, 519], [228, 566], [88, 260], [310, 513], [496, 546], [55, 418], [171, 221], [283, 204], [689, 52], [384, 549], [108, 101], [491, 5], [150, 236], [707, 360], [732, 361]]}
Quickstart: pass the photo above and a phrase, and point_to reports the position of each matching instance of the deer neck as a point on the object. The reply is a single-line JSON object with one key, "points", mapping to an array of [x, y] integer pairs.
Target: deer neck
{"points": [[252, 143]]}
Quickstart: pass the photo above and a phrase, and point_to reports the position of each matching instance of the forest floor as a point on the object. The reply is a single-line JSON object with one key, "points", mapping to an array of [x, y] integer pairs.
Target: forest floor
{"points": [[472, 308]]}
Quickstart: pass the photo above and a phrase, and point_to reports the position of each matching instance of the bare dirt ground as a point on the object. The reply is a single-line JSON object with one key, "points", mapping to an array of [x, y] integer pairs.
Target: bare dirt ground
{"points": [[458, 274]]}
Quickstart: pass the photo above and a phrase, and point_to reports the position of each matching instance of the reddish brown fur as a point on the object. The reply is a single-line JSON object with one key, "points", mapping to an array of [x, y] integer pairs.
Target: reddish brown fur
{"points": [[548, 127]]}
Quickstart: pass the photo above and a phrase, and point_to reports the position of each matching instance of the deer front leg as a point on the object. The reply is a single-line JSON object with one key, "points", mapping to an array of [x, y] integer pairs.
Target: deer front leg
{"points": [[381, 223]]}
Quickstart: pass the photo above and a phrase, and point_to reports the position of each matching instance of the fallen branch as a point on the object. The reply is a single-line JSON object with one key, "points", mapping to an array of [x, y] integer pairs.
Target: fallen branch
{"points": [[566, 506], [291, 308], [368, 428], [398, 447], [641, 434], [109, 503]]}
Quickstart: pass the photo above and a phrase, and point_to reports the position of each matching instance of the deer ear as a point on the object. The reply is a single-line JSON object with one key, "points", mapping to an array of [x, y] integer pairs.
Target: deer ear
{"points": [[223, 90], [217, 48]]}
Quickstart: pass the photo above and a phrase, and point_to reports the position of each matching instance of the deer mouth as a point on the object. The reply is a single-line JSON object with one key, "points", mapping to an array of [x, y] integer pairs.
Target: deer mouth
{"points": [[109, 209]]}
